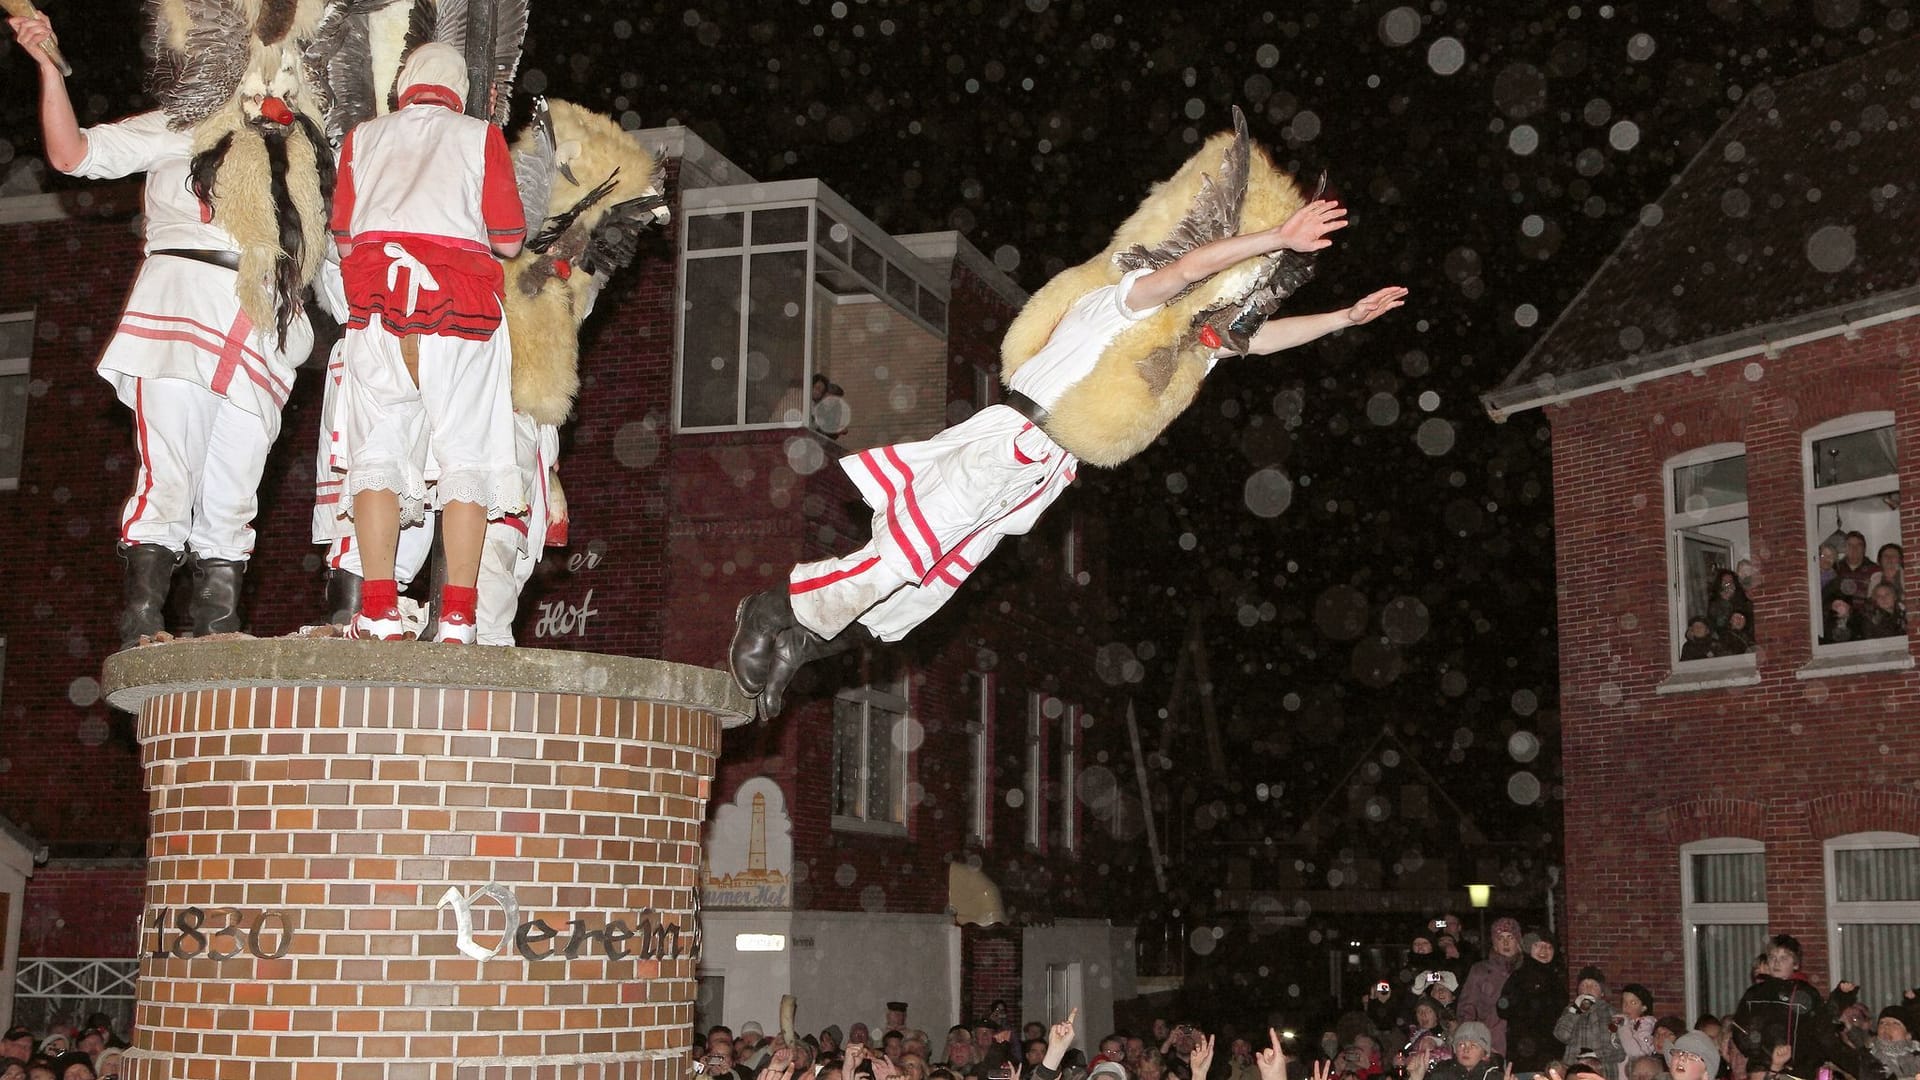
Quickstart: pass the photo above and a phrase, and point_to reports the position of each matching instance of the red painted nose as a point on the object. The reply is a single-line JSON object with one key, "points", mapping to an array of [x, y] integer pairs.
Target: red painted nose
{"points": [[1209, 337], [276, 110]]}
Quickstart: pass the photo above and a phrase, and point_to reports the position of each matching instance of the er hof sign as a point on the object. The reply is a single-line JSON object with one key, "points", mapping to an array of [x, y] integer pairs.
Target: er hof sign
{"points": [[747, 861]]}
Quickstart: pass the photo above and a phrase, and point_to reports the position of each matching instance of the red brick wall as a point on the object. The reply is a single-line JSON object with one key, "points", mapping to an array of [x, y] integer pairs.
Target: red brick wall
{"points": [[83, 908], [1791, 762], [991, 956]]}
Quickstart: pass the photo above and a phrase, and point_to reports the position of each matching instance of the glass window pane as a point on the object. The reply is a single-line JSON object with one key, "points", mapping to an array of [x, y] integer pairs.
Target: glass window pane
{"points": [[1883, 959], [710, 349], [1730, 878], [13, 423], [1859, 456], [1877, 874], [867, 262], [933, 309], [776, 338], [787, 225], [1723, 964], [829, 236], [901, 286], [1704, 551], [846, 758], [16, 339], [885, 785], [713, 231], [1710, 484]]}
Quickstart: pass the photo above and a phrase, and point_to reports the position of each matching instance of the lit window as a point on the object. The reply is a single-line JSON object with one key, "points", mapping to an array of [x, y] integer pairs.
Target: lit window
{"points": [[980, 745], [1873, 911], [16, 354], [1711, 616], [870, 746], [1069, 777], [1853, 523], [1723, 904]]}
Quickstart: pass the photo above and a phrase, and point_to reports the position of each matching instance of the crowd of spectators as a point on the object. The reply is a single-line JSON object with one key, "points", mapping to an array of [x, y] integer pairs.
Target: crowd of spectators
{"points": [[1862, 599], [92, 1052]]}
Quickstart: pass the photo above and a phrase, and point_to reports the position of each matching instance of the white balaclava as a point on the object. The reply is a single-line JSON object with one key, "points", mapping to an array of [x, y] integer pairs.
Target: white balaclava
{"points": [[435, 64]]}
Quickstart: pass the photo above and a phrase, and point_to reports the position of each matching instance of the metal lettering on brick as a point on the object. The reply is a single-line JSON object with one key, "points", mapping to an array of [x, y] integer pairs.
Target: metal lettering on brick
{"points": [[191, 933], [654, 936]]}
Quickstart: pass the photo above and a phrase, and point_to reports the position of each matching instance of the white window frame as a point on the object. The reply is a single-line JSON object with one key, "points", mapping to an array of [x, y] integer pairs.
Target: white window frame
{"points": [[1863, 911], [1036, 778], [1695, 913], [1677, 614], [893, 698], [18, 366], [1069, 777], [744, 251], [1814, 497], [980, 746]]}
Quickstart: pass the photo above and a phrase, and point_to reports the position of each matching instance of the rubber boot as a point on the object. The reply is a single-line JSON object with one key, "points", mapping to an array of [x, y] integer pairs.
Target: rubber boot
{"points": [[216, 595], [149, 578], [343, 595], [757, 622], [795, 648]]}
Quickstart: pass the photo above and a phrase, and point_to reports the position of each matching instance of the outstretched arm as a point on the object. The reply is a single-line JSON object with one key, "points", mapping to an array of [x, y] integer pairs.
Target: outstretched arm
{"points": [[1305, 231], [66, 143], [1280, 334]]}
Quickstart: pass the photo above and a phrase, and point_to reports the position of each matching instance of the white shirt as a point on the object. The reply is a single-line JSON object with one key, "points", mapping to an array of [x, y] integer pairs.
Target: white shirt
{"points": [[144, 143], [1085, 331]]}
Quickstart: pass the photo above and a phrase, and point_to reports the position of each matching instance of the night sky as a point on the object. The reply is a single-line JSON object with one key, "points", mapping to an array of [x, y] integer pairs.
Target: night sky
{"points": [[1366, 546]]}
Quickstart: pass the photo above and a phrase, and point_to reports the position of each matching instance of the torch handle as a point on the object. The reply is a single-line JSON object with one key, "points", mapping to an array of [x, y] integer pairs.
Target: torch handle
{"points": [[24, 9]]}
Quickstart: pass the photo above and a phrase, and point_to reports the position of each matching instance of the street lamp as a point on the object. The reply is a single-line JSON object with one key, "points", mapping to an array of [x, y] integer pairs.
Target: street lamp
{"points": [[1480, 896]]}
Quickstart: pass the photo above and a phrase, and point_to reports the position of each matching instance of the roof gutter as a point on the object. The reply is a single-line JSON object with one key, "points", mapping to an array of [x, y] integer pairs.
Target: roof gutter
{"points": [[1767, 340]]}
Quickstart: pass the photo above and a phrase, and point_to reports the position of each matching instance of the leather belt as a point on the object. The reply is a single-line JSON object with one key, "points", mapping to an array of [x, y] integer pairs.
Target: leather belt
{"points": [[227, 260], [1028, 408]]}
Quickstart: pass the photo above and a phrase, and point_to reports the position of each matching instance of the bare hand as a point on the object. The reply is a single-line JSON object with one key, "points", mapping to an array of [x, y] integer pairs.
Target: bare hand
{"points": [[782, 1060], [1374, 305], [1418, 1066], [32, 31], [1846, 988], [1060, 1036], [1309, 226], [883, 1068], [1507, 1073], [1272, 1063], [1013, 1071], [1200, 1059], [856, 1053], [1322, 1070]]}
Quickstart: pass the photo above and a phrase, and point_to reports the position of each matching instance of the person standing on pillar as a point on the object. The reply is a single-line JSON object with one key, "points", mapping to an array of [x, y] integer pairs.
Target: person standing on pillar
{"points": [[204, 354], [426, 201]]}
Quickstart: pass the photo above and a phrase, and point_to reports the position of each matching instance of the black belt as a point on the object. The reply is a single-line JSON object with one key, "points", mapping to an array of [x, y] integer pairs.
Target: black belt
{"points": [[229, 260], [1028, 408]]}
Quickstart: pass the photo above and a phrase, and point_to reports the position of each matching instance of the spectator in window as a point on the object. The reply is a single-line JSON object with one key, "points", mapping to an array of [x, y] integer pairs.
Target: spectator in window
{"points": [[1728, 597], [1783, 1001], [1634, 1024], [1699, 642], [1480, 995], [1583, 1025], [1828, 556], [1737, 638], [1533, 1004], [1843, 623], [1892, 563], [1853, 573], [1884, 618]]}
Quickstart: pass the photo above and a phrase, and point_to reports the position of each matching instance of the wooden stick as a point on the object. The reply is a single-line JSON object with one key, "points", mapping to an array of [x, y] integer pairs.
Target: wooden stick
{"points": [[24, 9]]}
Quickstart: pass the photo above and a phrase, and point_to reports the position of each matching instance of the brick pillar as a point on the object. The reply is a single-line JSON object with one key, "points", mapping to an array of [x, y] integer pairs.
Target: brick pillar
{"points": [[316, 848], [990, 971]]}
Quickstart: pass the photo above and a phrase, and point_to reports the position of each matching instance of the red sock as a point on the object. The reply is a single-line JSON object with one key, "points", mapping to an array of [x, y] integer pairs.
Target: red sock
{"points": [[379, 596], [459, 599]]}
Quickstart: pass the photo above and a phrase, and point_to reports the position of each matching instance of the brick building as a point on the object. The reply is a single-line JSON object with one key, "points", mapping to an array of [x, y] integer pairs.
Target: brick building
{"points": [[695, 474], [1736, 387]]}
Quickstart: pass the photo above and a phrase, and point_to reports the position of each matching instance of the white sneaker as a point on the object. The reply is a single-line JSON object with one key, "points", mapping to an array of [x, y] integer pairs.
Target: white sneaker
{"points": [[455, 628], [387, 626]]}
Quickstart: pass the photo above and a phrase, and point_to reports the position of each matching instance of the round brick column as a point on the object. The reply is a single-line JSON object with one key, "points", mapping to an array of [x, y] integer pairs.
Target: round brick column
{"points": [[398, 861]]}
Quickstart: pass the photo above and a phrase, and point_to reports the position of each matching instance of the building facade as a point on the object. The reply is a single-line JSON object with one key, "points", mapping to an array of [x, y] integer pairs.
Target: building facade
{"points": [[1734, 401], [977, 765]]}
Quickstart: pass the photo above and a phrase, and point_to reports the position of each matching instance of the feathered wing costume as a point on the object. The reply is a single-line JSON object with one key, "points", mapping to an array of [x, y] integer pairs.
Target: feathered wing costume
{"points": [[231, 72], [357, 49], [1150, 373]]}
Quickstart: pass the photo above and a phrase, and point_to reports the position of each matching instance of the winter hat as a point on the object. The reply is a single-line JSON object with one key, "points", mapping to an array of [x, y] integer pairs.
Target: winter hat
{"points": [[1591, 972], [435, 64], [832, 1031], [1697, 1044], [751, 1027], [1641, 992], [1675, 1024], [1108, 1068], [1506, 924], [1896, 1012], [1473, 1031]]}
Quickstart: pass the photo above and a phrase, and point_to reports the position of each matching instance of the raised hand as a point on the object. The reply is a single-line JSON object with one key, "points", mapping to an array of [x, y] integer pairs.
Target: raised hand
{"points": [[1376, 304], [1308, 228], [1322, 1070], [36, 36], [1200, 1058], [856, 1053], [1060, 1035], [1417, 1066], [1271, 1062]]}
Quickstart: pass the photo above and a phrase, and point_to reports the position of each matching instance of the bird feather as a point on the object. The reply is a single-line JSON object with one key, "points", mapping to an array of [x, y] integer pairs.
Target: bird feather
{"points": [[1214, 214], [509, 36], [533, 164], [212, 66]]}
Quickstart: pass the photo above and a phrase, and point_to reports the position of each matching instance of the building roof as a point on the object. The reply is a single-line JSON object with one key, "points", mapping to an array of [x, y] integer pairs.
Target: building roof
{"points": [[1793, 222]]}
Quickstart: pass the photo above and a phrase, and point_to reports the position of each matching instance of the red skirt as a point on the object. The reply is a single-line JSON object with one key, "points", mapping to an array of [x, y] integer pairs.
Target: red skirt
{"points": [[414, 285]]}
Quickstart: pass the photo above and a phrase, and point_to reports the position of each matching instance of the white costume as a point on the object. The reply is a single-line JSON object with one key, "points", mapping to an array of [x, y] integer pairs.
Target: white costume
{"points": [[205, 385], [940, 506]]}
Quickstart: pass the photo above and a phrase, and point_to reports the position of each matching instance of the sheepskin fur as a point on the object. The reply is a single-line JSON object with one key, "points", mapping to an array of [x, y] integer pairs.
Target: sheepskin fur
{"points": [[544, 311], [1150, 373]]}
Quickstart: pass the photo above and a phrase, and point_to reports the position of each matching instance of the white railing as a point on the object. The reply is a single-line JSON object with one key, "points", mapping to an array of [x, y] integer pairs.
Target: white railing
{"points": [[76, 978]]}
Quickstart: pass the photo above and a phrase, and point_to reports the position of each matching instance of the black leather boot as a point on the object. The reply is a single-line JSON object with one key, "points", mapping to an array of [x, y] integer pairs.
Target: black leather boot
{"points": [[343, 596], [795, 648], [149, 578], [757, 622], [216, 595]]}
